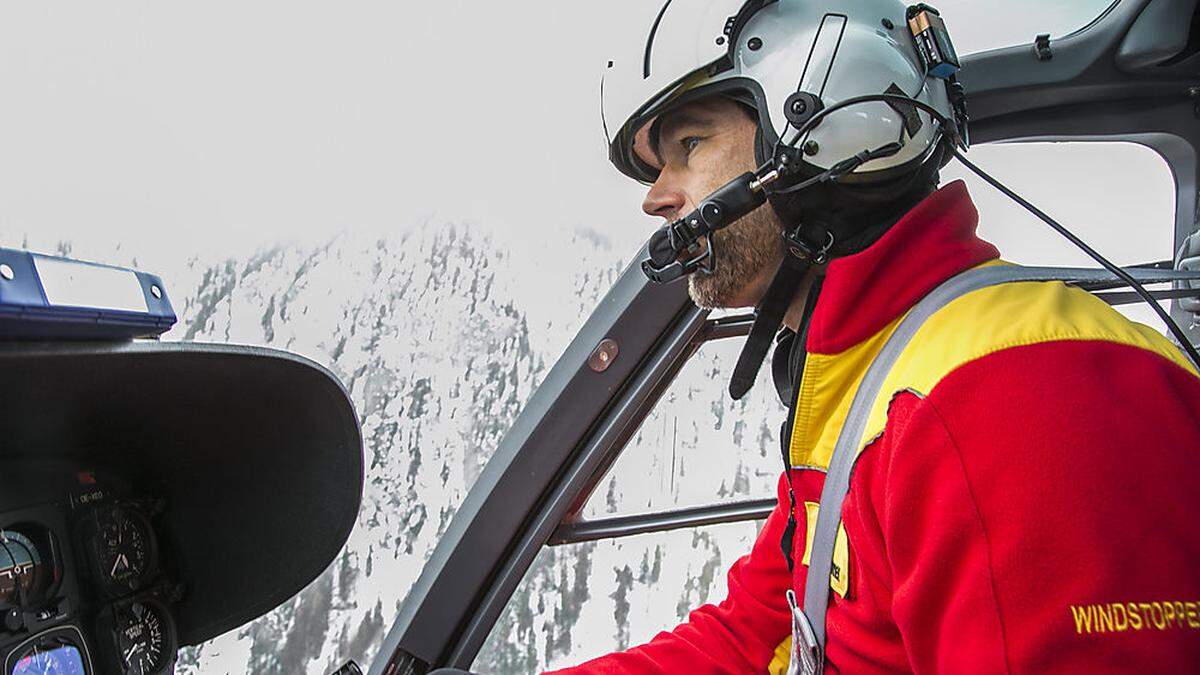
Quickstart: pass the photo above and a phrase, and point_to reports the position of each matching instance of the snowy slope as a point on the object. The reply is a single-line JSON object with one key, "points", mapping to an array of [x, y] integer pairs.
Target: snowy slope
{"points": [[440, 334]]}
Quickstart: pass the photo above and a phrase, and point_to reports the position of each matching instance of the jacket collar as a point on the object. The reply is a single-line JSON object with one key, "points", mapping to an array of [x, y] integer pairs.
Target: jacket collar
{"points": [[864, 292]]}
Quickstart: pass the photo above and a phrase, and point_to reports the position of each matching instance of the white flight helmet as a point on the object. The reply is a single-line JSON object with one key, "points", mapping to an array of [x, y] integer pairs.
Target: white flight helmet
{"points": [[786, 56]]}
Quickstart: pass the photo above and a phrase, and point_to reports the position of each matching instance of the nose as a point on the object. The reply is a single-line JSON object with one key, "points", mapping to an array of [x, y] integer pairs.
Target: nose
{"points": [[664, 199]]}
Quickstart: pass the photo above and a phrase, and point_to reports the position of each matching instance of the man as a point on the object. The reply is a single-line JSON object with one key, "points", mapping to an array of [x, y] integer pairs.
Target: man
{"points": [[1025, 501]]}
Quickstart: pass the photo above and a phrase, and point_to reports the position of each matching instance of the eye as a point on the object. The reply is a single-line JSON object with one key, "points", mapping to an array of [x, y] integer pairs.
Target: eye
{"points": [[689, 144]]}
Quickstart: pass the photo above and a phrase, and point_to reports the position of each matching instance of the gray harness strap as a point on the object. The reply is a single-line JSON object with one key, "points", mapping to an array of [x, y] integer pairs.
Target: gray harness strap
{"points": [[845, 452]]}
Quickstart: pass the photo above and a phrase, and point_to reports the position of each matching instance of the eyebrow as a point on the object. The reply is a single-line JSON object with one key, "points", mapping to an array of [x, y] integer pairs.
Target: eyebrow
{"points": [[670, 121]]}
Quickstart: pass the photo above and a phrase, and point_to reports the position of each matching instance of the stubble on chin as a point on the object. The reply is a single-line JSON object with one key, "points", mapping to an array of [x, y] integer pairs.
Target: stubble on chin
{"points": [[743, 251]]}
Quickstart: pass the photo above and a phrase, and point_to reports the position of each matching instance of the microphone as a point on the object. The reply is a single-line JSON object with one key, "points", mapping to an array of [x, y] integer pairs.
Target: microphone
{"points": [[682, 237]]}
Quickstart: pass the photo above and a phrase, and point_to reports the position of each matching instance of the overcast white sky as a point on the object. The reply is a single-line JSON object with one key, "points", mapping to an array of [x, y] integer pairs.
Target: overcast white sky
{"points": [[158, 131]]}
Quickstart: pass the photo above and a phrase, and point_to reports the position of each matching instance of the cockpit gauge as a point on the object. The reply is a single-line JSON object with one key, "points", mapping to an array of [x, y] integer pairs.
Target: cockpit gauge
{"points": [[144, 638], [58, 651], [122, 547], [25, 570]]}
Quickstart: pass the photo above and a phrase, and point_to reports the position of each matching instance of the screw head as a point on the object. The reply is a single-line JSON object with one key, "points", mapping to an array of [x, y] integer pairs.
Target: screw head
{"points": [[811, 148], [721, 40], [754, 44], [799, 107], [13, 620], [603, 355], [7, 272]]}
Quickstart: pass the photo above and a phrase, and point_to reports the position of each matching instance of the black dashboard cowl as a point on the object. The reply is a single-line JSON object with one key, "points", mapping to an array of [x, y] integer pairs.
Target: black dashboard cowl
{"points": [[256, 452]]}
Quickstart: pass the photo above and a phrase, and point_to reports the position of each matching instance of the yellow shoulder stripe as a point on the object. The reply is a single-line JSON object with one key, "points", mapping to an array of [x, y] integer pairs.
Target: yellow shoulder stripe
{"points": [[1004, 316], [826, 389], [970, 327]]}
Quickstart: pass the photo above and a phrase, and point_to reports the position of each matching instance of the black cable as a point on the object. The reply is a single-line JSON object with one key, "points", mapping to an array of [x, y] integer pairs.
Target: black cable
{"points": [[1121, 274], [804, 185], [1180, 336], [842, 168], [849, 164]]}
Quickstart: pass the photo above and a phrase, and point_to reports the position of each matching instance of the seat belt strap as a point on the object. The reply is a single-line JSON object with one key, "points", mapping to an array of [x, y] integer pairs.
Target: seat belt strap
{"points": [[849, 442]]}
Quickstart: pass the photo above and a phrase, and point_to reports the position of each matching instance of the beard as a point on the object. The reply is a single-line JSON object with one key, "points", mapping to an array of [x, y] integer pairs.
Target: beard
{"points": [[746, 254]]}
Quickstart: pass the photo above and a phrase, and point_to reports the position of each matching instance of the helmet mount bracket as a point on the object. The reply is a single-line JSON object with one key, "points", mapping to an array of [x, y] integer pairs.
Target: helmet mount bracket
{"points": [[800, 107]]}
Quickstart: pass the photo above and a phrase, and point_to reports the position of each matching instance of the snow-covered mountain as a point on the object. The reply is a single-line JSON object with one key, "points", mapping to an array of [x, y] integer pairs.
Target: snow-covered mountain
{"points": [[441, 334]]}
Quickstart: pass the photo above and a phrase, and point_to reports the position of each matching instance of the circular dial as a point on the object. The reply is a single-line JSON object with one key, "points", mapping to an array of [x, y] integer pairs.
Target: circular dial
{"points": [[143, 643], [23, 569], [51, 655], [123, 545]]}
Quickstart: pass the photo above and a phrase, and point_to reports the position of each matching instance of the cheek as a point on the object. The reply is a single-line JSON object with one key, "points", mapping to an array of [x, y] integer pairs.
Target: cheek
{"points": [[729, 160], [717, 171], [696, 189], [741, 152]]}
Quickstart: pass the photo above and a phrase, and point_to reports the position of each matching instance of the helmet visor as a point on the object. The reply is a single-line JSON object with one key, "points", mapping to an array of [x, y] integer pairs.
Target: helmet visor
{"points": [[682, 46]]}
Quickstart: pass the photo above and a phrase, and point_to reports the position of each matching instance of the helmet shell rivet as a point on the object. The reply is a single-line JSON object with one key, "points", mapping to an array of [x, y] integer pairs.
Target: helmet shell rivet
{"points": [[721, 40], [754, 44], [811, 148]]}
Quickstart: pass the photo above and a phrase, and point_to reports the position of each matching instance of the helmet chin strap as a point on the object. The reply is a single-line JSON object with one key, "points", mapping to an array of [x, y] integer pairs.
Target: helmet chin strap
{"points": [[813, 242], [805, 248]]}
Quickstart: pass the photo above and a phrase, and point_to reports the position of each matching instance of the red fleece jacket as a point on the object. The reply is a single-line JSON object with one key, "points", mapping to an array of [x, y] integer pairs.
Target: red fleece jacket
{"points": [[1036, 511]]}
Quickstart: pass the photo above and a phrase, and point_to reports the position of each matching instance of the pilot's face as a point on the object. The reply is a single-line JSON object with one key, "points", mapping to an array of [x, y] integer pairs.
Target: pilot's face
{"points": [[699, 147]]}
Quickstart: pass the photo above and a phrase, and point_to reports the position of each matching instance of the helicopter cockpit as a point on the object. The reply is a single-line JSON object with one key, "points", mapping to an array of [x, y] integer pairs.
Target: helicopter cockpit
{"points": [[171, 493]]}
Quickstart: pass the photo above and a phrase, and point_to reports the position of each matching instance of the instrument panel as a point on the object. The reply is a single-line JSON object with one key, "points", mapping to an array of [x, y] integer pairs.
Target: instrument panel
{"points": [[83, 585]]}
